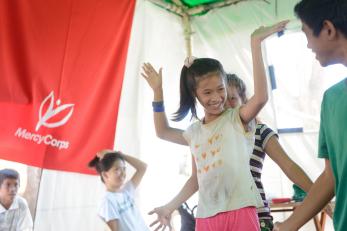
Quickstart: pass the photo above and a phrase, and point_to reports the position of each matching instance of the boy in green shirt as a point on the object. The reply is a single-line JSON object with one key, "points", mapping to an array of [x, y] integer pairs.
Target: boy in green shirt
{"points": [[325, 26]]}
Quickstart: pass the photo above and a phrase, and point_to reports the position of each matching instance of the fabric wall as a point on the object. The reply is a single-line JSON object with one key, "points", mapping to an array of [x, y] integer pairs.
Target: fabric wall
{"points": [[61, 78], [61, 74], [68, 201]]}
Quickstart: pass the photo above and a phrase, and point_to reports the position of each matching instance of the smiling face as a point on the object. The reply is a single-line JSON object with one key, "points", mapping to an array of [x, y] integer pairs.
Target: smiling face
{"points": [[8, 190], [211, 94], [114, 178], [325, 45]]}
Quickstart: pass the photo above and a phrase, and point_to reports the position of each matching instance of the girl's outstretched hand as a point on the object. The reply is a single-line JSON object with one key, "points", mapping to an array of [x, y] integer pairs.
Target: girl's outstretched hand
{"points": [[163, 218], [265, 31], [153, 78]]}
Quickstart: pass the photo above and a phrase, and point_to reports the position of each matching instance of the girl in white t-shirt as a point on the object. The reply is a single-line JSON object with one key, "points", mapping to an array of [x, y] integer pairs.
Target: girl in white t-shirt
{"points": [[118, 208], [220, 143]]}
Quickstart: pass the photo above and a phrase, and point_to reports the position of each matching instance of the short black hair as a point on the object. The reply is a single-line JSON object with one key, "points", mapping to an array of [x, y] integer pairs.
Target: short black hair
{"points": [[8, 174], [314, 12]]}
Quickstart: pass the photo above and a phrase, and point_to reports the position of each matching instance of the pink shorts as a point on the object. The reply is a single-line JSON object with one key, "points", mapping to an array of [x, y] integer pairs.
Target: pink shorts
{"points": [[244, 219]]}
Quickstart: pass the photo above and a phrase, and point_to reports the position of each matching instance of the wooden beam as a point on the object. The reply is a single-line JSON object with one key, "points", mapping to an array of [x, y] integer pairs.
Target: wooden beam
{"points": [[187, 34], [31, 192]]}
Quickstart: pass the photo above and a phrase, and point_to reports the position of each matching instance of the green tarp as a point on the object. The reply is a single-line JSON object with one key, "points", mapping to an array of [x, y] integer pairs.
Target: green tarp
{"points": [[193, 3]]}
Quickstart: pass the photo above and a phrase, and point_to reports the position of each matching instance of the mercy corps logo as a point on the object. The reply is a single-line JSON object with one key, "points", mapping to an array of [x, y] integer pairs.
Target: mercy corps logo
{"points": [[43, 121]]}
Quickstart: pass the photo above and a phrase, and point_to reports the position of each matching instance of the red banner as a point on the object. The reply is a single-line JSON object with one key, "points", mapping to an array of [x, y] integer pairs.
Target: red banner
{"points": [[61, 72]]}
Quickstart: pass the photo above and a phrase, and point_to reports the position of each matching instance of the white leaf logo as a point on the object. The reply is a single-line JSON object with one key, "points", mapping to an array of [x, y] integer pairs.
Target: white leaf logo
{"points": [[51, 112]]}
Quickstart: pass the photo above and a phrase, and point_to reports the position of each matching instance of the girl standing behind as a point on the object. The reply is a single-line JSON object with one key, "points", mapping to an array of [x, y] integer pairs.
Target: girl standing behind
{"points": [[220, 142], [266, 142], [118, 209]]}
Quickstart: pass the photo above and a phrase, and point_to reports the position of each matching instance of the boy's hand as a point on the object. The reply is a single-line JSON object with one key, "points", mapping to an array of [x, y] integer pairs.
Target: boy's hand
{"points": [[153, 78], [263, 32], [163, 218]]}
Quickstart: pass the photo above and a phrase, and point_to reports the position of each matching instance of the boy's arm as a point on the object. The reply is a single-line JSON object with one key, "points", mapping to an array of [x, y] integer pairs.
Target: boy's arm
{"points": [[162, 128], [113, 225], [250, 110], [275, 151], [139, 166], [321, 192]]}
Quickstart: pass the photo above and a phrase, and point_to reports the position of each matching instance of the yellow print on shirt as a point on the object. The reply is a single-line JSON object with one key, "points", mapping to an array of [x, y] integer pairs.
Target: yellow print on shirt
{"points": [[204, 155], [207, 168], [215, 151], [214, 138], [206, 159]]}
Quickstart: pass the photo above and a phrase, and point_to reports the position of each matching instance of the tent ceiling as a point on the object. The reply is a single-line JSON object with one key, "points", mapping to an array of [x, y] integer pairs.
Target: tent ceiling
{"points": [[193, 3], [196, 7]]}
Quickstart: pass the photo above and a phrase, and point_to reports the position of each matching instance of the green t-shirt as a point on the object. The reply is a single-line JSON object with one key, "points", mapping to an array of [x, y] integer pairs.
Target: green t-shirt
{"points": [[333, 145]]}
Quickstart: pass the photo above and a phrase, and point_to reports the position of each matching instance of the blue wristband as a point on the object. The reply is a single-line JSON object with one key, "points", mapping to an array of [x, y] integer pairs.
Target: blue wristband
{"points": [[158, 106]]}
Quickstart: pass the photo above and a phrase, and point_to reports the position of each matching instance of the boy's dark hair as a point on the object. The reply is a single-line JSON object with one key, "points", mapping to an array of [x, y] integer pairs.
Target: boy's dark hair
{"points": [[235, 81], [8, 174], [189, 79], [314, 12], [106, 163]]}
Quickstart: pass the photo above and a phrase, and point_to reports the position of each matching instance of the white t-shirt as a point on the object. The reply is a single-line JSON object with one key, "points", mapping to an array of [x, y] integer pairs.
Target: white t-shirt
{"points": [[222, 150], [17, 217], [120, 206]]}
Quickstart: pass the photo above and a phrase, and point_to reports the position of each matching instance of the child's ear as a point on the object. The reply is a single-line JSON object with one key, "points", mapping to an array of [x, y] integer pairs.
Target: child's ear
{"points": [[329, 29], [104, 175]]}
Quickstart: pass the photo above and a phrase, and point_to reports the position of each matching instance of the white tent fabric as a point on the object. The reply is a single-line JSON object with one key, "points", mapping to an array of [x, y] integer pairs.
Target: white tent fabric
{"points": [[68, 201]]}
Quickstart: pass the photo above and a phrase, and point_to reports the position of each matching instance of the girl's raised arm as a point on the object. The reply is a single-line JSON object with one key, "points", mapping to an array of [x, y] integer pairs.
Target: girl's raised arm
{"points": [[162, 128], [139, 166], [250, 110]]}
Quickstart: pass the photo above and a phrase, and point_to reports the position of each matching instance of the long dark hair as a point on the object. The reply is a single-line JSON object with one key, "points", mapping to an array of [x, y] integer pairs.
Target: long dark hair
{"points": [[106, 163], [189, 78], [314, 12]]}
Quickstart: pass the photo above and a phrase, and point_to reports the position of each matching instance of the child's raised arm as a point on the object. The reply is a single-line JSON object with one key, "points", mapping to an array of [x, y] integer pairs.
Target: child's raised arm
{"points": [[162, 128], [139, 166], [250, 110]]}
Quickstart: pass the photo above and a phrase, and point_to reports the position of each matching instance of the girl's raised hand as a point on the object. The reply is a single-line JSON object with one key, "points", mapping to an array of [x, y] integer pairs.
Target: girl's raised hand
{"points": [[153, 78], [265, 31]]}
